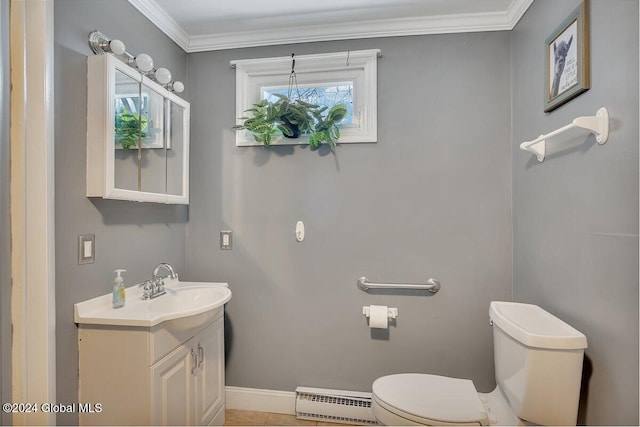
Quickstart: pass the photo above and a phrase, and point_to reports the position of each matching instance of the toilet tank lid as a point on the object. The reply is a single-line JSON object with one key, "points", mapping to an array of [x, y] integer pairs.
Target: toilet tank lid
{"points": [[535, 327]]}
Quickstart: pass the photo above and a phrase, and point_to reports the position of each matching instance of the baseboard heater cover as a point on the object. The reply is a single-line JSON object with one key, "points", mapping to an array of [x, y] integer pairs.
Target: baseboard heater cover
{"points": [[336, 406]]}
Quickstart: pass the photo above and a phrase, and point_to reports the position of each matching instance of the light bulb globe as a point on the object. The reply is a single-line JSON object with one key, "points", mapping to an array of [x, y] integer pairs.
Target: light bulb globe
{"points": [[117, 47], [144, 62], [163, 76], [178, 87]]}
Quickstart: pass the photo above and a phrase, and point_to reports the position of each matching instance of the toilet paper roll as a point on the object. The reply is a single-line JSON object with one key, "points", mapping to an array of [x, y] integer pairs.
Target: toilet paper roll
{"points": [[378, 316]]}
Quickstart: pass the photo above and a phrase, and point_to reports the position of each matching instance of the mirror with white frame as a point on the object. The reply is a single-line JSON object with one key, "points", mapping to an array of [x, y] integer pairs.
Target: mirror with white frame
{"points": [[137, 136]]}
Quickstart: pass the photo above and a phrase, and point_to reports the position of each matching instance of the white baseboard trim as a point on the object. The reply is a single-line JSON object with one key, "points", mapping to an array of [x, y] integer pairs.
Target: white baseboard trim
{"points": [[261, 400]]}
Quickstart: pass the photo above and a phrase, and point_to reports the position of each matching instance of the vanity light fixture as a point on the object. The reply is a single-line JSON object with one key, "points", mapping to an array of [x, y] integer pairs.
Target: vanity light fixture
{"points": [[100, 44]]}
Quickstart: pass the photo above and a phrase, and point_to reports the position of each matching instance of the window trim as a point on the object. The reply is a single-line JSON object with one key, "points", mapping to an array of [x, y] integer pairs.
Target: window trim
{"points": [[357, 66]]}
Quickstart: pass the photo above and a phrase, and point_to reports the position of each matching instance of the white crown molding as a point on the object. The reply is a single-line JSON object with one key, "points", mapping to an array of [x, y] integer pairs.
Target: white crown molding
{"points": [[163, 21], [353, 30], [442, 24], [516, 10]]}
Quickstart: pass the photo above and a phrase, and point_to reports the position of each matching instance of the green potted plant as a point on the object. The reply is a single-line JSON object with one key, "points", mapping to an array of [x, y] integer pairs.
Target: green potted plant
{"points": [[293, 118], [326, 127]]}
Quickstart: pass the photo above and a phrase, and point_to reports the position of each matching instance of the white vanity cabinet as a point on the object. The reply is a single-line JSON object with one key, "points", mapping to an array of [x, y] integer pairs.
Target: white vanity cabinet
{"points": [[163, 375], [188, 383], [137, 136]]}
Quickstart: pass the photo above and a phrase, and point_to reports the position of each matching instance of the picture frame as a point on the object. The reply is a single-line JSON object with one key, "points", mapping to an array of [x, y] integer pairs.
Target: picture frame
{"points": [[567, 64]]}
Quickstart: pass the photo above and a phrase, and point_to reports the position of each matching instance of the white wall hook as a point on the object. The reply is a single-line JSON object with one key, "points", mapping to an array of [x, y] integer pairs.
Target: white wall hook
{"points": [[300, 231]]}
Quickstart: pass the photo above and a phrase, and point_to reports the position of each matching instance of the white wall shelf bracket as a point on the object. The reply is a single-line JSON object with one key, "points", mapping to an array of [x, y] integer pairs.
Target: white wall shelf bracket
{"points": [[598, 125]]}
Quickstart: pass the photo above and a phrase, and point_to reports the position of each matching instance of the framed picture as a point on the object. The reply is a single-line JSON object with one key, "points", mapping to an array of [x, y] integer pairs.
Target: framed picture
{"points": [[567, 59]]}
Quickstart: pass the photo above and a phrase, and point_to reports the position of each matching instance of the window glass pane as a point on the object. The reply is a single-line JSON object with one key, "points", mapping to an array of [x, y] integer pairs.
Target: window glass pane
{"points": [[323, 94]]}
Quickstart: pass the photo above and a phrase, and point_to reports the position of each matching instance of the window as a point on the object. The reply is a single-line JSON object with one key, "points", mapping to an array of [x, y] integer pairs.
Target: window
{"points": [[323, 79], [322, 94]]}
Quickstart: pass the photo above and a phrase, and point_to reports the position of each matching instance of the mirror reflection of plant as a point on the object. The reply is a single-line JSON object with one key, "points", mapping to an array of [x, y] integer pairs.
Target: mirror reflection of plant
{"points": [[129, 128], [293, 118]]}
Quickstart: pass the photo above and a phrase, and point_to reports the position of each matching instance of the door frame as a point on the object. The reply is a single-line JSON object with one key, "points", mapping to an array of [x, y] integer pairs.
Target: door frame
{"points": [[32, 208]]}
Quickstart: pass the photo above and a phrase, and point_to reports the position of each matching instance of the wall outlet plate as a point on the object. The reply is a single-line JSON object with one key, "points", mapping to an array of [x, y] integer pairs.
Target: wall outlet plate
{"points": [[226, 240], [86, 248]]}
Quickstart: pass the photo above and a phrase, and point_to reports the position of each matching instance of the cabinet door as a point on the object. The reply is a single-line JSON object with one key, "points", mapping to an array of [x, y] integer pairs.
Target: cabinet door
{"points": [[173, 387], [127, 130], [177, 147], [152, 158], [209, 345]]}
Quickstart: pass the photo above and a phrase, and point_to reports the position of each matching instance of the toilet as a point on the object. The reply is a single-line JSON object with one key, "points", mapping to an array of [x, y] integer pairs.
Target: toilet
{"points": [[538, 367]]}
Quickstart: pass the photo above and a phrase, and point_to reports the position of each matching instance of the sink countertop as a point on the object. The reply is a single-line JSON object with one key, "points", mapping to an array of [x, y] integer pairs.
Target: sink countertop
{"points": [[182, 299]]}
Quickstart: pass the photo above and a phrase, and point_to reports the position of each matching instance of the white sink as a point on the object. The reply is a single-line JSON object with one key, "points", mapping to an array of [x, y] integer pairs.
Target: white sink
{"points": [[185, 305]]}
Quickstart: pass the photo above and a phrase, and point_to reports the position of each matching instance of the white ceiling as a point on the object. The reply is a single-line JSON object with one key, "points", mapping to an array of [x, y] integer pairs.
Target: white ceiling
{"points": [[199, 25]]}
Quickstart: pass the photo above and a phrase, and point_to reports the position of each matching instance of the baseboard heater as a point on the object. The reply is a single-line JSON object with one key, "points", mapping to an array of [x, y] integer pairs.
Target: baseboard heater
{"points": [[336, 406]]}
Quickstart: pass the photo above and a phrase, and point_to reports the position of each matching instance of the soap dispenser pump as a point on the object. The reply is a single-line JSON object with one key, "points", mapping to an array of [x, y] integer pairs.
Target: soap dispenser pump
{"points": [[118, 290]]}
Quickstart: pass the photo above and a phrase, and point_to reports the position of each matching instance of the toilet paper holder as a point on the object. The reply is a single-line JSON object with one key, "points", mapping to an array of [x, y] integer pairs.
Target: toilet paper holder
{"points": [[392, 312]]}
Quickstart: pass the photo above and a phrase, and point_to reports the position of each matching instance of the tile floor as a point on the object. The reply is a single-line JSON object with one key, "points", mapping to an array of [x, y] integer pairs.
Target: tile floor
{"points": [[235, 417]]}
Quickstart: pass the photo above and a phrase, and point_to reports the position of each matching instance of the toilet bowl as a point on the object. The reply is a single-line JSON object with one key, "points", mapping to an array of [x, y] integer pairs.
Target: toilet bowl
{"points": [[420, 399], [538, 363], [461, 405]]}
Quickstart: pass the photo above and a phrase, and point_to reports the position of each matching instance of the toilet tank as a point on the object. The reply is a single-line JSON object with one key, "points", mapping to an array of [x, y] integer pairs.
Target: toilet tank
{"points": [[538, 362]]}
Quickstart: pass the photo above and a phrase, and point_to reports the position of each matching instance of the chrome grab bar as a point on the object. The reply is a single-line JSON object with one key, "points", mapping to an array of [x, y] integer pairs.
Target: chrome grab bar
{"points": [[432, 285]]}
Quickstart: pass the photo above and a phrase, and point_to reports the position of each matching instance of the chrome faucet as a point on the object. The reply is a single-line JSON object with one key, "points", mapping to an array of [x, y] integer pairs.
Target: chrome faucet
{"points": [[155, 287], [172, 274]]}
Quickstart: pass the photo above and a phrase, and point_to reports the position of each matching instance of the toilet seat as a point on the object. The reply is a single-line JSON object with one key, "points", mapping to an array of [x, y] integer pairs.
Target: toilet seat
{"points": [[430, 399]]}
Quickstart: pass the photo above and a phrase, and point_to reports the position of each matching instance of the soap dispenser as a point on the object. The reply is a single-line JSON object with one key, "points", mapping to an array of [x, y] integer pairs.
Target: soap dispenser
{"points": [[118, 290]]}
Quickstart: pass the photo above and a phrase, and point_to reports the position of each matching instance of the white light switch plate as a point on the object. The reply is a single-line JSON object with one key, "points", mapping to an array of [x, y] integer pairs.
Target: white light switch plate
{"points": [[86, 248]]}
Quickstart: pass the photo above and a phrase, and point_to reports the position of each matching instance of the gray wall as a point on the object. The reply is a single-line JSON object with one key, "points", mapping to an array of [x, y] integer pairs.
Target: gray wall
{"points": [[431, 199], [5, 231], [134, 236], [575, 216]]}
